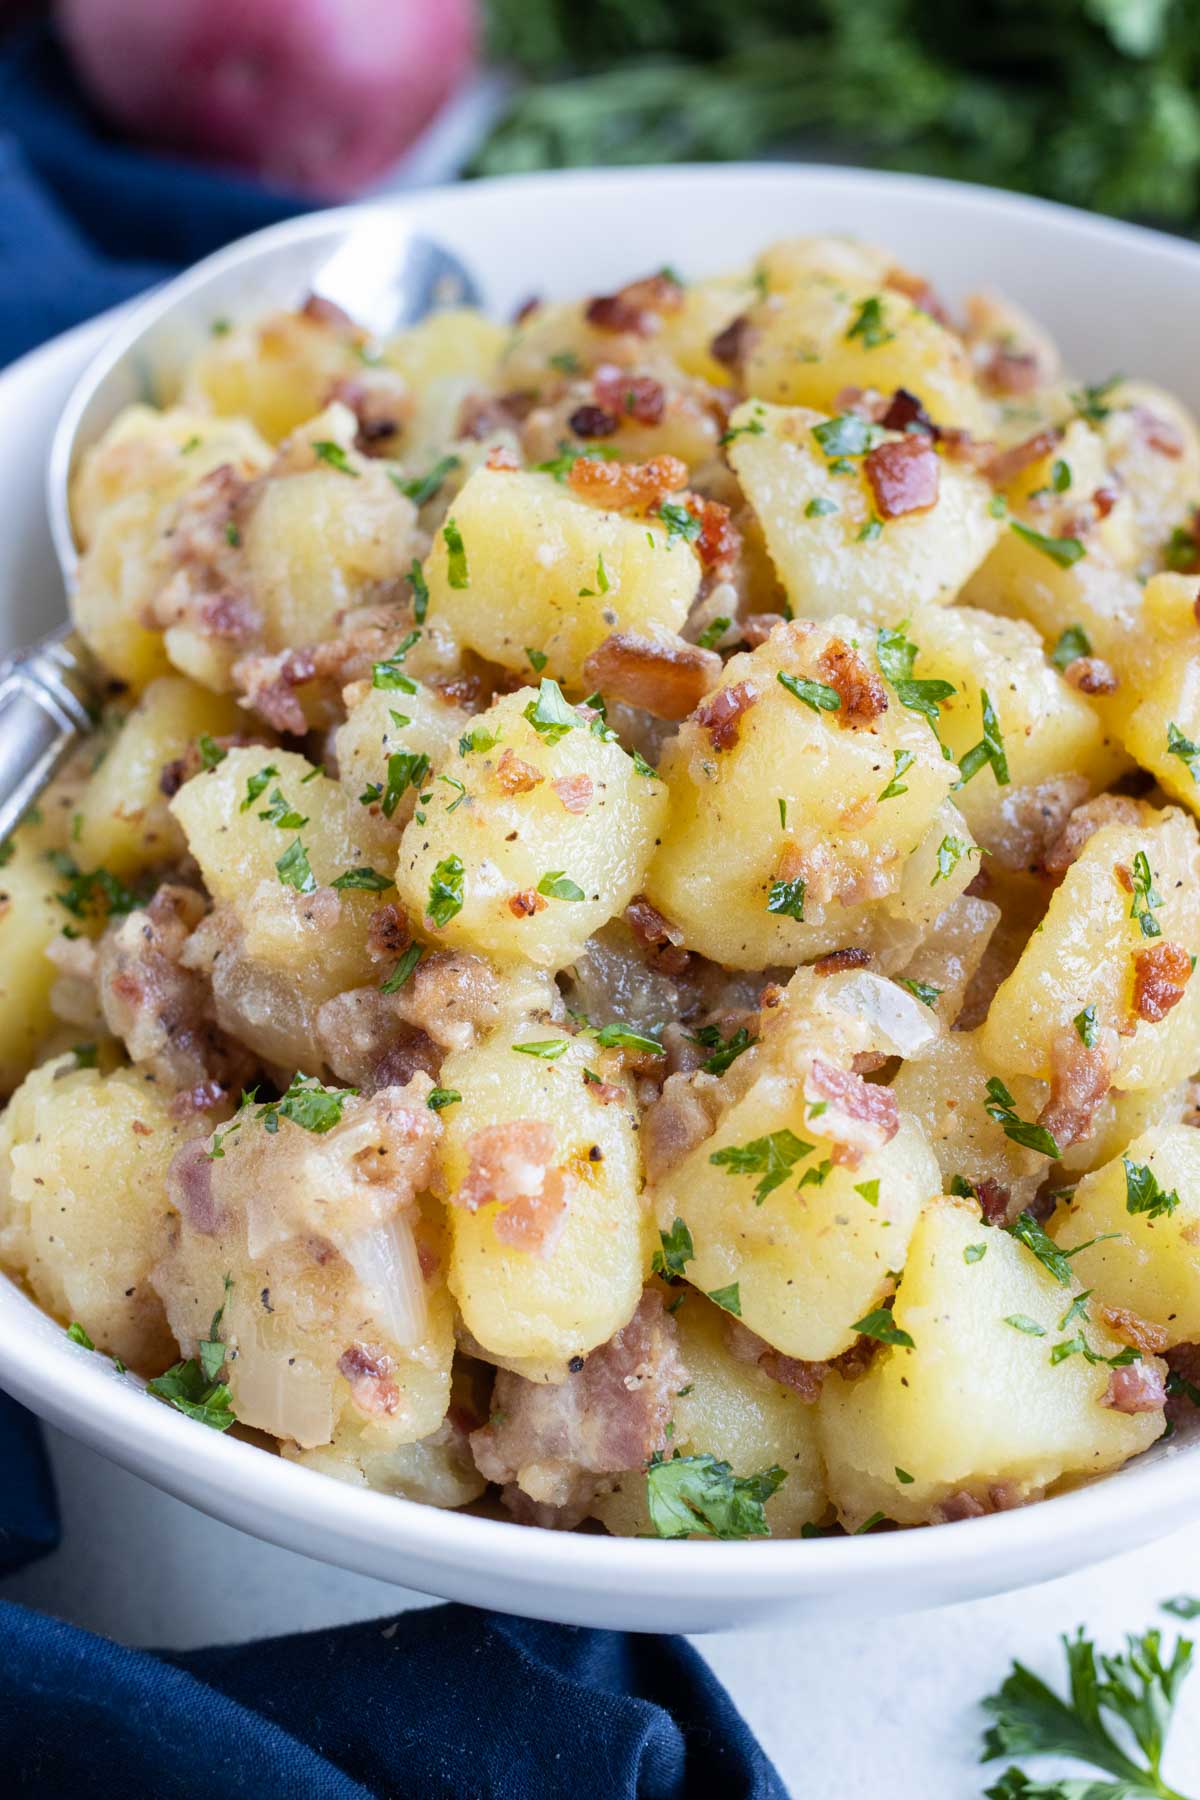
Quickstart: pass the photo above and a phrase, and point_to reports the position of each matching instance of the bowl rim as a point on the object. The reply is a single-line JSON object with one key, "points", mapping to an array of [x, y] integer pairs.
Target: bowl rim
{"points": [[83, 1395]]}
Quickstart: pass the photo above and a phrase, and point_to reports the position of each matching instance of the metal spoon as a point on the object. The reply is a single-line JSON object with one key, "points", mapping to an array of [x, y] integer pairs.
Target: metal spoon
{"points": [[365, 259]]}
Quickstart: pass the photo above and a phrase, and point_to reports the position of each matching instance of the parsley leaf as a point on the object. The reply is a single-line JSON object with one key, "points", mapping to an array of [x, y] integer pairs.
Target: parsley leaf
{"points": [[78, 1335], [369, 880], [423, 487], [445, 891], [878, 1325], [713, 633], [1145, 897], [869, 325], [724, 1050], [1074, 642], [306, 1103], [676, 1252], [550, 715], [548, 1049], [950, 853], [1183, 747], [405, 769], [420, 588], [456, 556], [294, 870], [537, 659], [896, 655], [556, 885], [1086, 1027], [388, 674], [771, 1157], [924, 991], [820, 508], [623, 1037], [211, 752], [729, 1299], [1001, 1107], [903, 760], [680, 523], [787, 897], [847, 435], [814, 694], [989, 749], [402, 970], [279, 812], [333, 454], [699, 1494], [1143, 1194], [96, 894], [440, 1098], [1064, 551], [192, 1387]]}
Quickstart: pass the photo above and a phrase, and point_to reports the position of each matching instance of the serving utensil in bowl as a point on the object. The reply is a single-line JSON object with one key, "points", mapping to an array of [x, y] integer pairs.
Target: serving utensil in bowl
{"points": [[367, 260], [1117, 297]]}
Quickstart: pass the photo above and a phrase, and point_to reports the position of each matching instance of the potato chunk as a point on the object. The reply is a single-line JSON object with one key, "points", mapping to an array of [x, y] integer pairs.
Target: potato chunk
{"points": [[125, 824], [542, 570], [789, 829], [276, 372], [818, 512], [810, 1256], [83, 1200], [1056, 750], [537, 833], [1133, 891], [1150, 1198], [535, 1311], [975, 1409], [733, 1410], [1156, 708], [386, 748], [30, 918]]}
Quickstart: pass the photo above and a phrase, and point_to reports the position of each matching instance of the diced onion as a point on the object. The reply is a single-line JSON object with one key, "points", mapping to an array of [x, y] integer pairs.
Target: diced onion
{"points": [[389, 1270], [285, 1394]]}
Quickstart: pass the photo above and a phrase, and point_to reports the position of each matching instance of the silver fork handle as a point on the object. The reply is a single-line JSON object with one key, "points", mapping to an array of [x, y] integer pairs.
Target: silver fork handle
{"points": [[45, 694]]}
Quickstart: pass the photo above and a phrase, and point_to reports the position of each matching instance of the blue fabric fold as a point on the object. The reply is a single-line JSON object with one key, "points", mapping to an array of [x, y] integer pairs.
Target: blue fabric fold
{"points": [[443, 1704]]}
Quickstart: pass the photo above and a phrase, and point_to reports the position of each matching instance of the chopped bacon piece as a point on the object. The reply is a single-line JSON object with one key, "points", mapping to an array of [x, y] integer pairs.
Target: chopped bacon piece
{"points": [[482, 414], [657, 934], [1009, 371], [638, 397], [1133, 1330], [388, 933], [189, 1184], [1080, 1077], [721, 713], [513, 1166], [524, 904], [1161, 973], [904, 475], [1137, 1388], [328, 312], [835, 961], [1103, 500], [804, 1378], [269, 684], [593, 422], [719, 540], [627, 487], [664, 676], [1008, 464], [921, 292], [993, 1199], [526, 309], [756, 628], [381, 407], [673, 1125], [861, 692], [608, 1093], [1084, 822], [858, 1116], [1091, 675], [515, 776], [956, 1507], [574, 791], [610, 312], [368, 1368], [733, 345], [1158, 433], [501, 458], [905, 412]]}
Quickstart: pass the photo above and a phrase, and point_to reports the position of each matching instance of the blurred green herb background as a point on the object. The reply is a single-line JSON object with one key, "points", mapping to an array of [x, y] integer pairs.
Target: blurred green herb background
{"points": [[1095, 102]]}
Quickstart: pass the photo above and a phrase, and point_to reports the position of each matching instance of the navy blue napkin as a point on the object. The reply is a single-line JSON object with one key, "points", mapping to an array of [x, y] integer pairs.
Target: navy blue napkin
{"points": [[445, 1704]]}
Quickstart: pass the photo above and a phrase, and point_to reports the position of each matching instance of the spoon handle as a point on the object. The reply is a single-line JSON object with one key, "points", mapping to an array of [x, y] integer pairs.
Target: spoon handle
{"points": [[45, 696]]}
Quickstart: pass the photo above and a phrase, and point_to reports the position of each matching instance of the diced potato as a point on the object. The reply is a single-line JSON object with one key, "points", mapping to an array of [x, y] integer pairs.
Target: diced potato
{"points": [[1152, 445], [818, 515], [30, 917], [542, 570], [812, 1258], [437, 1470], [83, 1207], [537, 1311], [1125, 1114], [145, 451], [1083, 954], [708, 307], [1093, 594], [946, 1090], [732, 1410], [540, 841], [820, 336], [1156, 709], [449, 356], [976, 1407], [797, 796], [1049, 731], [275, 372], [945, 964], [1152, 1265], [125, 825], [796, 262], [1053, 495], [376, 751]]}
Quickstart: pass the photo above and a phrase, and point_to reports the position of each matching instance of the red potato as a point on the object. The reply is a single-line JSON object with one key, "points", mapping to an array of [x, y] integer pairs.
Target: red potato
{"points": [[316, 95]]}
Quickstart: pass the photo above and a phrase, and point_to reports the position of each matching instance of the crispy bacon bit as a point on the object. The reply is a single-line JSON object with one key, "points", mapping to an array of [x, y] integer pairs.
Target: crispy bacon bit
{"points": [[862, 694], [1137, 1388], [500, 457], [733, 345], [183, 768], [1010, 371], [515, 776], [189, 1186], [663, 675], [381, 407], [993, 1199], [368, 1368], [269, 684], [756, 628], [627, 487], [657, 936], [574, 791], [465, 690], [805, 1379], [956, 1507], [1161, 973], [1079, 1080], [1104, 499], [526, 309], [1150, 1339], [635, 307], [593, 422], [721, 713], [1158, 433], [513, 1166], [638, 397], [858, 1116], [1010, 463], [1091, 675], [835, 961], [921, 292], [388, 933], [524, 904], [328, 312], [904, 475], [482, 414], [141, 1129], [905, 412], [719, 540], [1084, 822], [201, 1098]]}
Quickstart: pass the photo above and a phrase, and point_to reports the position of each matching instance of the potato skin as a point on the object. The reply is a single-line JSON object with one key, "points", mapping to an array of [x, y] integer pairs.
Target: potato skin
{"points": [[976, 1407], [502, 811]]}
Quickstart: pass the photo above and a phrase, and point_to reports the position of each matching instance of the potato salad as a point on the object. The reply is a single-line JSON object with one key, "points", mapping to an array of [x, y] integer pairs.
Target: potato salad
{"points": [[622, 950]]}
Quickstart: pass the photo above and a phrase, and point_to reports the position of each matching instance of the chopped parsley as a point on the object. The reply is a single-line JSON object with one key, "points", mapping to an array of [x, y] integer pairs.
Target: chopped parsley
{"points": [[1145, 897], [87, 1056], [787, 897], [405, 769], [896, 655], [1061, 550], [537, 659], [1001, 1107], [1183, 747], [476, 740], [1143, 1194], [1091, 402], [402, 970], [257, 785], [724, 1050], [210, 751], [878, 1325], [903, 760], [550, 715], [548, 1049], [294, 869], [713, 633], [680, 523], [78, 1335], [423, 487], [677, 1250], [989, 749], [869, 532], [642, 767], [369, 880], [1181, 550], [869, 1190], [974, 1253], [389, 675], [623, 1037], [698, 1494], [847, 435], [1072, 644], [924, 991], [456, 556], [333, 454], [769, 1157], [819, 507], [869, 325], [96, 894], [306, 1103], [279, 812], [729, 1299], [556, 885], [1086, 1027], [950, 853], [814, 694], [193, 1387], [440, 1098], [755, 428], [445, 891], [601, 580], [1055, 1260], [420, 588], [1022, 1322]]}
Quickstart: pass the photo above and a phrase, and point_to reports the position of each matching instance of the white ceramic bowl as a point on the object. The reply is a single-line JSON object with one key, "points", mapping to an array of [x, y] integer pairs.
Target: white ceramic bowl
{"points": [[1117, 298]]}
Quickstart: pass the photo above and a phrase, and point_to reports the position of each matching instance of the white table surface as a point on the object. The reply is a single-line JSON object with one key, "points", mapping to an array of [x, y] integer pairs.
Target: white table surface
{"points": [[844, 1709]]}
